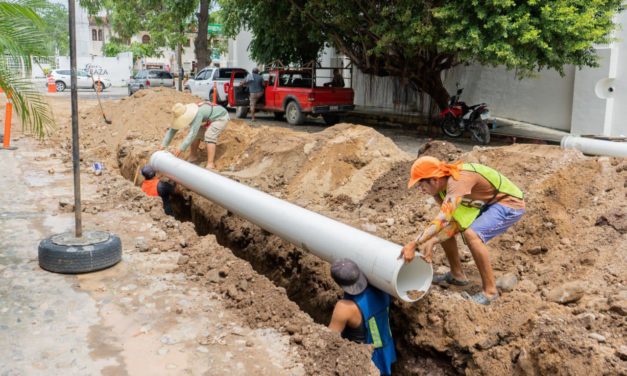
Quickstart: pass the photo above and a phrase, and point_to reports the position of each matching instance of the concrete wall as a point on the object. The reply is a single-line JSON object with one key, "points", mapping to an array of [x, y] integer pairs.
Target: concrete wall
{"points": [[619, 114], [117, 69], [83, 33], [237, 55], [545, 99]]}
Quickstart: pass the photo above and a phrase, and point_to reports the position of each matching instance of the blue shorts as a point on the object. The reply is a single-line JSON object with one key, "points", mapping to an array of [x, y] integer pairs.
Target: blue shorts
{"points": [[495, 220]]}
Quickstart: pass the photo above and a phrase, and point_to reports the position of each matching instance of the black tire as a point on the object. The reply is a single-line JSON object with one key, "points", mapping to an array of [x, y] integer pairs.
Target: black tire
{"points": [[241, 112], [79, 258], [480, 133], [279, 115], [450, 127], [293, 113], [130, 92], [98, 86], [331, 119], [60, 86]]}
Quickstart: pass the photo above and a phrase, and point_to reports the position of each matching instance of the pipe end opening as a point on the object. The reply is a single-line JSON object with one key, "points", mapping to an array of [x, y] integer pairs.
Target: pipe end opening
{"points": [[413, 280]]}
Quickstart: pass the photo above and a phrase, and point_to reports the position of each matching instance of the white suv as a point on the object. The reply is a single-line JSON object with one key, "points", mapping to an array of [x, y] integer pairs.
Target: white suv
{"points": [[203, 83], [83, 80]]}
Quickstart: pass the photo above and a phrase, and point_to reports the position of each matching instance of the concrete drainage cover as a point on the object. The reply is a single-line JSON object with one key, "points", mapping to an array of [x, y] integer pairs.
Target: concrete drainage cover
{"points": [[89, 237]]}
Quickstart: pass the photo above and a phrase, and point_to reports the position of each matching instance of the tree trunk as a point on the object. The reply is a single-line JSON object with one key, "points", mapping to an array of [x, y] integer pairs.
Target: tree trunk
{"points": [[433, 86], [200, 44], [179, 62]]}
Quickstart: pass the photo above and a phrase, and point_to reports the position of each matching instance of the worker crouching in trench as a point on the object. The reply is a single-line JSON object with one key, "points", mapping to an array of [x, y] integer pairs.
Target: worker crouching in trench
{"points": [[476, 201], [205, 121]]}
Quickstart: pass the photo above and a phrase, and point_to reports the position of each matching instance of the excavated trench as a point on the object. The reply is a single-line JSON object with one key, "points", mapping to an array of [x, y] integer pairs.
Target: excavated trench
{"points": [[305, 277], [302, 275]]}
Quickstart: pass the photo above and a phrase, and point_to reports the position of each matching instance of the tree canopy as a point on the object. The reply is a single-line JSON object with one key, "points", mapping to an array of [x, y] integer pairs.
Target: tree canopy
{"points": [[167, 22], [416, 40]]}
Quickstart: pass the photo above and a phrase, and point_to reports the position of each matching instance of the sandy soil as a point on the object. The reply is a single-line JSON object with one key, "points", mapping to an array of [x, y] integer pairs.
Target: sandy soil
{"points": [[562, 313]]}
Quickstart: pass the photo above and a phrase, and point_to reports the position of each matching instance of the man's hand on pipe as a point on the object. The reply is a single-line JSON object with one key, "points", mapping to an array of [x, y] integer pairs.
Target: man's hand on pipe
{"points": [[426, 250], [176, 152], [408, 252]]}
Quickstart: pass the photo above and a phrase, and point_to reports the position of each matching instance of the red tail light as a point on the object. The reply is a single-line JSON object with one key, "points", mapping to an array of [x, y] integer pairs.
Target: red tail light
{"points": [[147, 83]]}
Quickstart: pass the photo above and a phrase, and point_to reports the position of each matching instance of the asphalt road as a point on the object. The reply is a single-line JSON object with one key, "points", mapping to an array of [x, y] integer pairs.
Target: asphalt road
{"points": [[108, 93]]}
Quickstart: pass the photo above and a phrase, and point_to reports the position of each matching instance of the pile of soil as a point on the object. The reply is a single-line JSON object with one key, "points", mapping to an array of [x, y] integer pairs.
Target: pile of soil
{"points": [[561, 269]]}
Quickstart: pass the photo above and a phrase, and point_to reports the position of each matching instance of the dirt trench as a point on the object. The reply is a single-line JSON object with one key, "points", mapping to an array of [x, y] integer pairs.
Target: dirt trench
{"points": [[304, 277]]}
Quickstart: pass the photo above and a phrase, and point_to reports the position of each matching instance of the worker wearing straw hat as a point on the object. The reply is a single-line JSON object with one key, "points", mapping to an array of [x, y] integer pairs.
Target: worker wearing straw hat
{"points": [[205, 120]]}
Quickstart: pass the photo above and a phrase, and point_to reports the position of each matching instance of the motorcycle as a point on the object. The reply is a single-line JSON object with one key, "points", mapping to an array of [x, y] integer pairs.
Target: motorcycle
{"points": [[458, 117]]}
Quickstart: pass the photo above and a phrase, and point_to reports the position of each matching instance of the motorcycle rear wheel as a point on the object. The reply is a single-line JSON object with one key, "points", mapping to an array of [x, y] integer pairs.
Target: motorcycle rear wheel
{"points": [[450, 127], [480, 132]]}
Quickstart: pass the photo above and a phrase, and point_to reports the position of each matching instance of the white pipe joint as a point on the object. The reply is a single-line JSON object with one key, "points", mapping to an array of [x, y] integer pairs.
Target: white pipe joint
{"points": [[320, 235], [592, 146]]}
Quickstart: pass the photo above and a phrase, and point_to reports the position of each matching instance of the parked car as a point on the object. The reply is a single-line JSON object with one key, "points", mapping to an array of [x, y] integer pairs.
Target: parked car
{"points": [[150, 78], [203, 83], [62, 80], [293, 94]]}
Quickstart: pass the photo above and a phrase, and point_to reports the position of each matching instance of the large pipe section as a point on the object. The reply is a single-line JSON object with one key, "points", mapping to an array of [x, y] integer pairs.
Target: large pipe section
{"points": [[595, 147], [323, 236]]}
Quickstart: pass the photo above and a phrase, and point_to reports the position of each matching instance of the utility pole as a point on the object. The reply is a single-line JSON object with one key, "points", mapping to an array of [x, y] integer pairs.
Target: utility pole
{"points": [[78, 232], [179, 60]]}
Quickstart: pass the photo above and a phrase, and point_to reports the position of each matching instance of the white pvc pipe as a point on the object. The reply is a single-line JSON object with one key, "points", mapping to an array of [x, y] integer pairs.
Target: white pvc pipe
{"points": [[595, 147], [320, 235]]}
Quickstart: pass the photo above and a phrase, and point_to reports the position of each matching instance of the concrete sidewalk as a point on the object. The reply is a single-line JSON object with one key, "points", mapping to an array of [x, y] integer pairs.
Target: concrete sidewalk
{"points": [[140, 317], [505, 127]]}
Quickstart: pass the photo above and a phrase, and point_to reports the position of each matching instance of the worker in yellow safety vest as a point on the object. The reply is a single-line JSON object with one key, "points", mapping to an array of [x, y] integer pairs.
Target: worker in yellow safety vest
{"points": [[476, 201]]}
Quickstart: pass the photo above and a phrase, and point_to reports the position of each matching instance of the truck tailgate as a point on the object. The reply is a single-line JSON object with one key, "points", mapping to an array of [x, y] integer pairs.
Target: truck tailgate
{"points": [[332, 96]]}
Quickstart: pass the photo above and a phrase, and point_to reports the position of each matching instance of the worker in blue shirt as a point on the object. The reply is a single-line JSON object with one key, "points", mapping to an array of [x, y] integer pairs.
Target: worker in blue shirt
{"points": [[362, 316]]}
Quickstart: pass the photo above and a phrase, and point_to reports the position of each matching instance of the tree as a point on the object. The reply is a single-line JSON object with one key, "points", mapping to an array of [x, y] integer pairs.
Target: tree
{"points": [[280, 31], [203, 57], [417, 40], [21, 33], [56, 26], [167, 22], [139, 50]]}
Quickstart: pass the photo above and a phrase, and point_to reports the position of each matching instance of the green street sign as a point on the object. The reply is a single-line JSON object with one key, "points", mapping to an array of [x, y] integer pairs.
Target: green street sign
{"points": [[214, 28]]}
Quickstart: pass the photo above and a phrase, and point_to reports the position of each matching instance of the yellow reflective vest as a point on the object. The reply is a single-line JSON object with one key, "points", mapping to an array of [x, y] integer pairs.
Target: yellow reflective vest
{"points": [[469, 210]]}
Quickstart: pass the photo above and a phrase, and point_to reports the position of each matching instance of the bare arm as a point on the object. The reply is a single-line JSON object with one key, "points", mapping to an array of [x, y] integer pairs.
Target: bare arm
{"points": [[344, 312], [442, 220]]}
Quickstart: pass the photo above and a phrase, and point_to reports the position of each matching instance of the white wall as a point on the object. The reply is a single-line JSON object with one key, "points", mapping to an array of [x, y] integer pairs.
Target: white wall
{"points": [[237, 55], [590, 99], [618, 125], [545, 99], [117, 69], [83, 33], [386, 93]]}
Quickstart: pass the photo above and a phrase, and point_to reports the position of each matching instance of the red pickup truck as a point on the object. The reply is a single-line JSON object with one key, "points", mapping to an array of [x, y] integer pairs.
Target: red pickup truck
{"points": [[293, 93]]}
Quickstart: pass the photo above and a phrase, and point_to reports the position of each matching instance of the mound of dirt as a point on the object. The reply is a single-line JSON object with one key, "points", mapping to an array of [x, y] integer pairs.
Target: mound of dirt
{"points": [[341, 160]]}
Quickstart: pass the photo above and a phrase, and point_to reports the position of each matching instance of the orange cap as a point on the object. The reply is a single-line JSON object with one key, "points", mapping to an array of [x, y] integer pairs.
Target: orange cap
{"points": [[429, 167]]}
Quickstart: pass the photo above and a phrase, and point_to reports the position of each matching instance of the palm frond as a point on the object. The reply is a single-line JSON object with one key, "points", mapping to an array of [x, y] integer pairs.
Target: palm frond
{"points": [[30, 105], [21, 32], [21, 36]]}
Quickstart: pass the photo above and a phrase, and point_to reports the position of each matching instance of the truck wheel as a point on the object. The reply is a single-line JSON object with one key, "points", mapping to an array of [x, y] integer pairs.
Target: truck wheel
{"points": [[241, 112], [60, 86], [293, 113], [279, 115], [331, 119], [79, 258]]}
